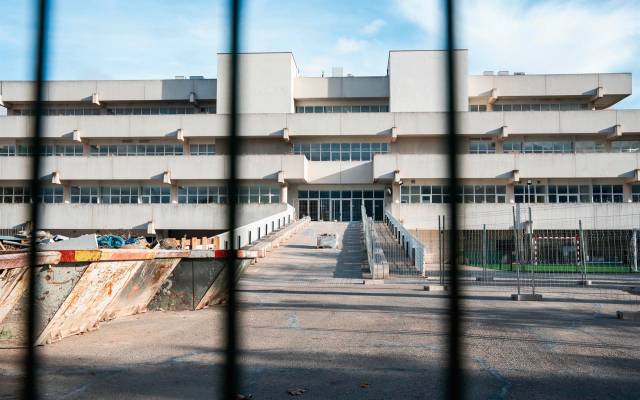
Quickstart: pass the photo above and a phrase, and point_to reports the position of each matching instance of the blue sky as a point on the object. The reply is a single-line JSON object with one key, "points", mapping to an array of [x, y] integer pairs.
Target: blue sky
{"points": [[130, 39]]}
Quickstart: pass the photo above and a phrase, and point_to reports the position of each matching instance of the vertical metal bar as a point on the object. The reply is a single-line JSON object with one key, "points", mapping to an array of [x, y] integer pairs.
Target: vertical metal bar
{"points": [[583, 253], [530, 254], [484, 252], [231, 370], [515, 248], [634, 244], [454, 370], [440, 249], [444, 252], [30, 389]]}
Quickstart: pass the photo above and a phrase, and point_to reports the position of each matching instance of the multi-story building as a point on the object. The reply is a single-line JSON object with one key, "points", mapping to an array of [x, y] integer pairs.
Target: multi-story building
{"points": [[130, 155]]}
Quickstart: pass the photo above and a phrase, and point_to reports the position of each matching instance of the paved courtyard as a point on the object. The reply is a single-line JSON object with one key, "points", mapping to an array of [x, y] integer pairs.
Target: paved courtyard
{"points": [[308, 322]]}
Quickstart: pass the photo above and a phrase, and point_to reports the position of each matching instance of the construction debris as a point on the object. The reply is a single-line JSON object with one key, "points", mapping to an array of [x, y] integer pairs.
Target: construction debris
{"points": [[169, 244], [84, 242]]}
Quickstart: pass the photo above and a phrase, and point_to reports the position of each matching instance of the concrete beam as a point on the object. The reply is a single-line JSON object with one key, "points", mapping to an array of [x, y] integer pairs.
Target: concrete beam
{"points": [[180, 134], [394, 134], [285, 134], [396, 177], [515, 176], [166, 177], [76, 136], [493, 96], [635, 178], [503, 134], [617, 132], [151, 230], [95, 99], [193, 99], [55, 178]]}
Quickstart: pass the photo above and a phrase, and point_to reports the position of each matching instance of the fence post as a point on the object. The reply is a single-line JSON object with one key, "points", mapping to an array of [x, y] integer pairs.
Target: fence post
{"points": [[583, 255], [515, 248], [533, 272], [484, 252], [634, 238], [439, 249]]}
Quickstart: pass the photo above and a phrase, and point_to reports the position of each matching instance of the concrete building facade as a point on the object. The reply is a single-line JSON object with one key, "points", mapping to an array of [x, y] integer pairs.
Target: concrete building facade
{"points": [[152, 155]]}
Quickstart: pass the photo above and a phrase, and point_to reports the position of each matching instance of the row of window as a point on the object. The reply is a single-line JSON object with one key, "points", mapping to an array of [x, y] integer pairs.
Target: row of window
{"points": [[74, 149], [522, 194], [531, 107], [340, 151], [342, 109], [341, 194], [145, 195], [163, 110], [20, 194], [512, 146], [59, 111], [572, 193], [119, 111], [553, 146], [163, 149], [144, 149], [440, 194]]}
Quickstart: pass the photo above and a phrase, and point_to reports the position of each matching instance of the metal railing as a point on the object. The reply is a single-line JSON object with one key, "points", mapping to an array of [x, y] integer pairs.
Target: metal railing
{"points": [[249, 233], [413, 250], [378, 265]]}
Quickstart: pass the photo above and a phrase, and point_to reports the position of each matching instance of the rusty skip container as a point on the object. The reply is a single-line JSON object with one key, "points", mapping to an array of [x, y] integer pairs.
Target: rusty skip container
{"points": [[136, 295], [14, 281], [74, 295], [199, 280]]}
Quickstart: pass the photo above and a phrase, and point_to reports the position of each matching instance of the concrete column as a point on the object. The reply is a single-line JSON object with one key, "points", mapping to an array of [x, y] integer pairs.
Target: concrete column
{"points": [[284, 193], [86, 149]]}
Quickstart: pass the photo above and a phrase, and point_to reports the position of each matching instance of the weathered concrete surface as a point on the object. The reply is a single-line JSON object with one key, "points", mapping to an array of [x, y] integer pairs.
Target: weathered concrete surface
{"points": [[307, 326]]}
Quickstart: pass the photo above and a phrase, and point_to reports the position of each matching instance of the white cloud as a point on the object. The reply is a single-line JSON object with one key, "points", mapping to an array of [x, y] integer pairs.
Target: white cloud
{"points": [[373, 27], [348, 45]]}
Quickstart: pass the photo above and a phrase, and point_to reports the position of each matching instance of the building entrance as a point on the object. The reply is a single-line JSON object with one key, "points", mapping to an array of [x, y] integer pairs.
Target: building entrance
{"points": [[340, 205]]}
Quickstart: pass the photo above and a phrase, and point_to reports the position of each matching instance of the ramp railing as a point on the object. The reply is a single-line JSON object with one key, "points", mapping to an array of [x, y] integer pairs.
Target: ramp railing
{"points": [[378, 265], [254, 231], [413, 248]]}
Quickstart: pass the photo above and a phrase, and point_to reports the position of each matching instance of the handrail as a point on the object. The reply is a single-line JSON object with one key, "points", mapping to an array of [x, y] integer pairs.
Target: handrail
{"points": [[408, 241], [251, 232], [378, 265]]}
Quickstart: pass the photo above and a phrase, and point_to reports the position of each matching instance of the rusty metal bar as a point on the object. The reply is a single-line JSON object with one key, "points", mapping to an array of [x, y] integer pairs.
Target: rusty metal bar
{"points": [[30, 389], [454, 376], [231, 371]]}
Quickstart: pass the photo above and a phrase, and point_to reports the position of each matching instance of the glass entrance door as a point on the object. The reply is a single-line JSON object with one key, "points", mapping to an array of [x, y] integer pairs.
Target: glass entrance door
{"points": [[303, 208], [356, 209], [378, 210], [368, 206], [313, 210], [346, 208], [335, 210], [340, 205], [324, 210]]}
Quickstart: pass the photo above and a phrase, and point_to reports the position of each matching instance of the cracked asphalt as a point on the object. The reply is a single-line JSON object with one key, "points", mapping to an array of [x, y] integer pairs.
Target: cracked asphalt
{"points": [[306, 324]]}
